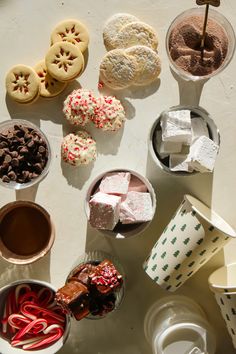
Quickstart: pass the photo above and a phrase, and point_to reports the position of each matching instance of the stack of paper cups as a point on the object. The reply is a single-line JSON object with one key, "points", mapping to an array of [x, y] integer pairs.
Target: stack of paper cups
{"points": [[193, 236], [223, 283]]}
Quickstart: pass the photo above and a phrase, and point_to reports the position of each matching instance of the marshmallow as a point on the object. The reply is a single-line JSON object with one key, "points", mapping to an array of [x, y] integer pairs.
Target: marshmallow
{"points": [[199, 128], [180, 162], [137, 185], [115, 183], [157, 141], [170, 147], [176, 126], [203, 154], [104, 211], [136, 208]]}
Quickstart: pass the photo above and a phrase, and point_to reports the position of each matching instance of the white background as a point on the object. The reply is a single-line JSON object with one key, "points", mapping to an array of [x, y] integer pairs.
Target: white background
{"points": [[25, 27]]}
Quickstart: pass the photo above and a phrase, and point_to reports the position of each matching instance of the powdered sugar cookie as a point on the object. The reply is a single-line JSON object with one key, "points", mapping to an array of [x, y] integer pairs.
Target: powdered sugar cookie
{"points": [[78, 149], [71, 31], [49, 87], [64, 61], [110, 115], [136, 33], [22, 84], [113, 26], [149, 64], [118, 69], [80, 106]]}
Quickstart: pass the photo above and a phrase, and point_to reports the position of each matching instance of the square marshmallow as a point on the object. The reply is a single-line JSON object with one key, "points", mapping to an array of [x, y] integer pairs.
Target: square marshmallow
{"points": [[104, 211], [137, 185], [136, 208], [180, 162], [199, 128], [115, 183], [176, 126], [203, 153]]}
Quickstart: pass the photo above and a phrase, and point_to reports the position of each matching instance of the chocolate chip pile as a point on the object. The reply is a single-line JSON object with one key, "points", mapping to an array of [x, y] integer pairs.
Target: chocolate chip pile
{"points": [[90, 290], [23, 154]]}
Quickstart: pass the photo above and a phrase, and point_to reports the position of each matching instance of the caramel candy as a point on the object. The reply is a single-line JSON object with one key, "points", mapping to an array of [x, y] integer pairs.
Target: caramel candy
{"points": [[106, 278], [210, 2]]}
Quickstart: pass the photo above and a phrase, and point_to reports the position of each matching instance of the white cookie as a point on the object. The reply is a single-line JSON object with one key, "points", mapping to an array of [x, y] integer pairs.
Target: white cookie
{"points": [[22, 84], [113, 26], [149, 64], [136, 33], [71, 31], [118, 69]]}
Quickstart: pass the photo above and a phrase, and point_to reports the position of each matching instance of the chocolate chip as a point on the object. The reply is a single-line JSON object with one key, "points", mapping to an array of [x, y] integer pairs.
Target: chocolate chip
{"points": [[38, 167], [5, 179], [23, 154], [7, 159], [12, 175], [15, 162], [30, 144], [42, 149]]}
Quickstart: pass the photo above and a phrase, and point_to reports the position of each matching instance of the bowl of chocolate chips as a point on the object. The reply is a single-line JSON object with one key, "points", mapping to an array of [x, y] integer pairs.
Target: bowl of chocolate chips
{"points": [[25, 154]]}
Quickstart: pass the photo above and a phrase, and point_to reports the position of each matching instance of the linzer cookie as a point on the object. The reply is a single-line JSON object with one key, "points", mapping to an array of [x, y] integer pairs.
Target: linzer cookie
{"points": [[22, 84], [49, 87], [71, 31], [64, 61], [23, 154]]}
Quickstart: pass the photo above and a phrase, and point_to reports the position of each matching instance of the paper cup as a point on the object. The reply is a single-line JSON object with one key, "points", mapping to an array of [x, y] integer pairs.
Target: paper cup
{"points": [[5, 346], [192, 237], [122, 231], [175, 319], [222, 283], [27, 232]]}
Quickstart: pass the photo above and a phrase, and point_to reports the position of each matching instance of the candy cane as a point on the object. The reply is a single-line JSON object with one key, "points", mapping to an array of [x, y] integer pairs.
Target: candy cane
{"points": [[47, 340], [27, 328], [49, 296], [18, 290], [27, 307], [18, 321]]}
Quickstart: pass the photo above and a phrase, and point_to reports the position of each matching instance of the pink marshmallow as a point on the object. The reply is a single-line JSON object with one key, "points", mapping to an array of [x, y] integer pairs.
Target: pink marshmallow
{"points": [[104, 211], [136, 208], [137, 185], [115, 183]]}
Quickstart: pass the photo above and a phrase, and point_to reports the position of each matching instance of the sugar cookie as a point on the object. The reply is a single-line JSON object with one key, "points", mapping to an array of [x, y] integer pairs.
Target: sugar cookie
{"points": [[110, 114], [49, 87], [149, 64], [118, 69], [71, 31], [78, 149], [80, 106], [136, 33], [64, 61], [113, 25], [22, 84]]}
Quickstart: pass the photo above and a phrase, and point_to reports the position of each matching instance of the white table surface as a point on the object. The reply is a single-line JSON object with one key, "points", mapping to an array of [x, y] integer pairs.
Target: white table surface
{"points": [[25, 28]]}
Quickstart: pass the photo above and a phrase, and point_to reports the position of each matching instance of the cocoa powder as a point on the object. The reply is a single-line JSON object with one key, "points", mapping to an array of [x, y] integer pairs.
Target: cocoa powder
{"points": [[185, 41]]}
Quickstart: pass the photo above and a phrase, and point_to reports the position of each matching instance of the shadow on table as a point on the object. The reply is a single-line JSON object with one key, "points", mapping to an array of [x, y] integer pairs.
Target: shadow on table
{"points": [[38, 270], [189, 91], [27, 193]]}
